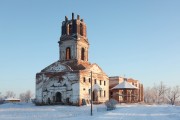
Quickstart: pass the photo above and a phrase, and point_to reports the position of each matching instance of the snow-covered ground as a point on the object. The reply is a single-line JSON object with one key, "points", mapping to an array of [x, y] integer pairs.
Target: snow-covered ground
{"points": [[23, 111]]}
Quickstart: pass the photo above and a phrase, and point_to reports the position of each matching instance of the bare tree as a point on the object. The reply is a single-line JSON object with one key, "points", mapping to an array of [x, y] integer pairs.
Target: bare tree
{"points": [[28, 95], [159, 92], [25, 97], [148, 95], [173, 94], [1, 98], [10, 94], [162, 89], [22, 97], [155, 94]]}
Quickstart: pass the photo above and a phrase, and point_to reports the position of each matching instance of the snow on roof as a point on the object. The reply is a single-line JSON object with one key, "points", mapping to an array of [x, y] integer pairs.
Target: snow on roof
{"points": [[124, 85], [11, 99], [96, 87]]}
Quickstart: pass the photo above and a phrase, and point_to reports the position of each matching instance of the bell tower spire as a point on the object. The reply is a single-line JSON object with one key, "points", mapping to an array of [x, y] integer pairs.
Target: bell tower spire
{"points": [[73, 43]]}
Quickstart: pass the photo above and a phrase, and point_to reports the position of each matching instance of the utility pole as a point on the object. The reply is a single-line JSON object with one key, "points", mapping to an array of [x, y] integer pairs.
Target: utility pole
{"points": [[91, 94]]}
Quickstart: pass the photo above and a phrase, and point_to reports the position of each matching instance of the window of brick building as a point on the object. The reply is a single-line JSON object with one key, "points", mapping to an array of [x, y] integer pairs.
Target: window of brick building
{"points": [[104, 93], [104, 83], [89, 80], [100, 82]]}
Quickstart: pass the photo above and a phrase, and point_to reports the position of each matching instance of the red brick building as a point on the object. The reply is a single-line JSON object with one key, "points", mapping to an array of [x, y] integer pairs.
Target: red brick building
{"points": [[125, 90]]}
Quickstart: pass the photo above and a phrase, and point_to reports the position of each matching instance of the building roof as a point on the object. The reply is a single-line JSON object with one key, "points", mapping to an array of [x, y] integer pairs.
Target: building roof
{"points": [[96, 87], [73, 65], [124, 85], [8, 99]]}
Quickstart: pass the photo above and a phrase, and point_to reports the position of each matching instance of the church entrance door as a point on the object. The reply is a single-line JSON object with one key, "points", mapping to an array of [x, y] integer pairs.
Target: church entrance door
{"points": [[58, 97], [95, 95]]}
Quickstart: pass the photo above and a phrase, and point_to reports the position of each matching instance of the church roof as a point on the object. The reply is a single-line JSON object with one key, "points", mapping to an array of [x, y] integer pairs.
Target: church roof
{"points": [[66, 66], [57, 67], [124, 85], [75, 65]]}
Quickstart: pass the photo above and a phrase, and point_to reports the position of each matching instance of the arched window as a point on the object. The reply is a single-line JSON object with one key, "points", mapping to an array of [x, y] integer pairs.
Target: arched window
{"points": [[81, 29], [100, 82], [68, 53], [82, 53], [70, 29], [84, 79]]}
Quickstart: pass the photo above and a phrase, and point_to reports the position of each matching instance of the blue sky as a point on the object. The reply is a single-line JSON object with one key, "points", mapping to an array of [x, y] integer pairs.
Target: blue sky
{"points": [[135, 38]]}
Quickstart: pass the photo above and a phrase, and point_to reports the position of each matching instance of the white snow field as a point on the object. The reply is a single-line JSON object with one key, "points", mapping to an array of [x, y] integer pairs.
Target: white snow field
{"points": [[23, 111]]}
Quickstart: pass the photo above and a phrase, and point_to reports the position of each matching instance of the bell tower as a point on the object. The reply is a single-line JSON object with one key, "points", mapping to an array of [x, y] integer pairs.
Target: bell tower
{"points": [[73, 44]]}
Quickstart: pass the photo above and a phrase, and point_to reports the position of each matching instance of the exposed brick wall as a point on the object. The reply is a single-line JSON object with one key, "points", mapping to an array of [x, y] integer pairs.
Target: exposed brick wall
{"points": [[74, 26], [113, 81]]}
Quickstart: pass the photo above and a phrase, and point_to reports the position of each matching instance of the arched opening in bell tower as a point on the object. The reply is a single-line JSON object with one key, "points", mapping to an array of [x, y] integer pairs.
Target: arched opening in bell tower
{"points": [[82, 54], [68, 53], [70, 28], [81, 29]]}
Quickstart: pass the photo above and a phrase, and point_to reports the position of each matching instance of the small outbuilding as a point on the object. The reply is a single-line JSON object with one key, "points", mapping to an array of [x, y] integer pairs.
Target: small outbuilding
{"points": [[11, 100], [125, 90]]}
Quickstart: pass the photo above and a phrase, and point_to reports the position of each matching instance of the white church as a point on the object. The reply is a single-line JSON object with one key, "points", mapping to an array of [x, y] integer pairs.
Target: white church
{"points": [[68, 80]]}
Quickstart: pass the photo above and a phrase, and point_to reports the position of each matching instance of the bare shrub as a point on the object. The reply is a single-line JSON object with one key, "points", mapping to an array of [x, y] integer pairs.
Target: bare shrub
{"points": [[111, 104], [173, 94]]}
